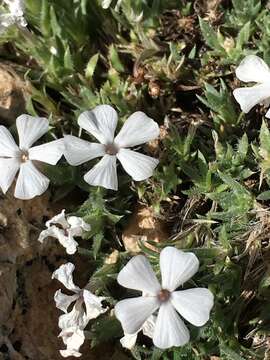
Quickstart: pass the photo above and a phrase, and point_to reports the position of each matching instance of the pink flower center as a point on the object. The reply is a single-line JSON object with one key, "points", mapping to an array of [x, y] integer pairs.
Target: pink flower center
{"points": [[111, 149], [164, 295]]}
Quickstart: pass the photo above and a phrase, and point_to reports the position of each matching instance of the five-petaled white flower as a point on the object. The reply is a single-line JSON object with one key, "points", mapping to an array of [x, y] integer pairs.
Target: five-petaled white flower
{"points": [[15, 15], [65, 229], [87, 306], [194, 305], [31, 182], [101, 122], [253, 69]]}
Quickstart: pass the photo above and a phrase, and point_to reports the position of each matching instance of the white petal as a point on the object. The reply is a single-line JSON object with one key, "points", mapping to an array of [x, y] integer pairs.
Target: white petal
{"points": [[267, 115], [78, 225], [64, 274], [253, 69], [248, 97], [129, 341], [132, 313], [59, 219], [73, 338], [63, 301], [75, 318], [138, 166], [139, 275], [170, 330], [193, 304], [176, 267], [8, 147], [67, 241], [78, 151], [48, 153], [93, 305], [101, 122], [30, 129], [149, 326], [103, 173], [6, 20], [8, 171], [138, 129], [30, 182]]}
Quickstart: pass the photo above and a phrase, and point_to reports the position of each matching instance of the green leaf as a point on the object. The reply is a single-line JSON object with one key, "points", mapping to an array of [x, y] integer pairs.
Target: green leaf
{"points": [[91, 66], [210, 36]]}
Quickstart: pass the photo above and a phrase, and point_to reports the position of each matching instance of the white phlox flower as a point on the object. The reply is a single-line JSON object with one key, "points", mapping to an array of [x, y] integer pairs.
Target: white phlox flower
{"points": [[253, 69], [30, 182], [128, 341], [194, 305], [86, 306], [101, 122], [15, 15], [65, 229]]}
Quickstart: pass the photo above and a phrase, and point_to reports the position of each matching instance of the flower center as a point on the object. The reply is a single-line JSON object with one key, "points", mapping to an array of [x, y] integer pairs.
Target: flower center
{"points": [[24, 156], [111, 149], [164, 295]]}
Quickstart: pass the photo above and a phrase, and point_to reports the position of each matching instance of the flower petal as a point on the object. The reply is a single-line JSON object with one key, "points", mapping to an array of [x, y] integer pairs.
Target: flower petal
{"points": [[193, 304], [138, 166], [67, 241], [101, 122], [30, 182], [128, 341], [253, 69], [248, 97], [93, 305], [176, 267], [149, 326], [8, 147], [59, 219], [8, 171], [139, 275], [75, 318], [103, 173], [73, 338], [138, 129], [170, 330], [63, 301], [78, 225], [48, 153], [132, 313], [30, 129], [78, 151], [64, 274], [267, 115]]}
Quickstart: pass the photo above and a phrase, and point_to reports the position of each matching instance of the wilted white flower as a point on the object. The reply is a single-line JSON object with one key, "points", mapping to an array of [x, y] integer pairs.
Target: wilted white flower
{"points": [[30, 182], [87, 306], [15, 15], [194, 305], [253, 69], [65, 229], [129, 340], [101, 123]]}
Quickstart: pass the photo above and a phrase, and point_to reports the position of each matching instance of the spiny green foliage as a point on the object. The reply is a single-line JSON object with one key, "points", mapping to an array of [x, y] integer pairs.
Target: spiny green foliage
{"points": [[174, 60]]}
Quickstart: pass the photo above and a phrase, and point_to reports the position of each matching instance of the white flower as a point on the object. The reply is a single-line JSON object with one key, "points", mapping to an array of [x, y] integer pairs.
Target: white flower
{"points": [[101, 123], [129, 340], [194, 305], [15, 15], [30, 182], [253, 69], [87, 306], [69, 228]]}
